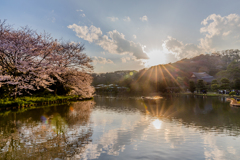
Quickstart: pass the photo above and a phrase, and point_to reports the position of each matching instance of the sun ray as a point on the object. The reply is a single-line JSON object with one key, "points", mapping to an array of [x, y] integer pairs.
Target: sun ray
{"points": [[156, 75], [160, 66], [151, 71], [172, 77], [162, 108], [178, 69], [141, 75]]}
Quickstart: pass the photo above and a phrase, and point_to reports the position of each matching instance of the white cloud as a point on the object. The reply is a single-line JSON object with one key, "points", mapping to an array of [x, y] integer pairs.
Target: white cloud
{"points": [[101, 60], [127, 19], [114, 42], [83, 15], [182, 50], [113, 19], [144, 18], [220, 33], [125, 59], [80, 10], [89, 34], [134, 36]]}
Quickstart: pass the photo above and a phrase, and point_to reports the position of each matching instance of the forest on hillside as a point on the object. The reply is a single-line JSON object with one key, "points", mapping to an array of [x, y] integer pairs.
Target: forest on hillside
{"points": [[160, 78]]}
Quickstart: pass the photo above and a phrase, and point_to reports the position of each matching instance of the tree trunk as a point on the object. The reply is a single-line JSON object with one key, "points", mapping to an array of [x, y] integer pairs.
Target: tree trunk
{"points": [[55, 92]]}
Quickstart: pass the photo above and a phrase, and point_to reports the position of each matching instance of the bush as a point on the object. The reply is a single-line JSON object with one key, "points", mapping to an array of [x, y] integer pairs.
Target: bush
{"points": [[232, 93]]}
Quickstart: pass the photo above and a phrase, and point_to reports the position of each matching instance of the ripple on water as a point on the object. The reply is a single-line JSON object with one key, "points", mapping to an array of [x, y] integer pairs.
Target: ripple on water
{"points": [[124, 128]]}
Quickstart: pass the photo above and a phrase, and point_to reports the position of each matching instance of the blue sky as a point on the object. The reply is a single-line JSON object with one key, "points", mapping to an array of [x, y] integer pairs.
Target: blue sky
{"points": [[121, 35]]}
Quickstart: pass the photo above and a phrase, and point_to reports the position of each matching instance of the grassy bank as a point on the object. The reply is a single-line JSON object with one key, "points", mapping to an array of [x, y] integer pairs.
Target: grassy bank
{"points": [[33, 101]]}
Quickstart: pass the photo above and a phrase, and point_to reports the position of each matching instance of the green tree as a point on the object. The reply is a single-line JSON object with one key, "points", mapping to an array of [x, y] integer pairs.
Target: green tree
{"points": [[214, 81], [180, 81], [162, 87], [192, 86], [225, 83], [201, 85], [214, 87], [232, 72], [237, 84]]}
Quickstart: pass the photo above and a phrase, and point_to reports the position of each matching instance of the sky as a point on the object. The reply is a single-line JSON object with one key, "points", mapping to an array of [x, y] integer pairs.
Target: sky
{"points": [[132, 34]]}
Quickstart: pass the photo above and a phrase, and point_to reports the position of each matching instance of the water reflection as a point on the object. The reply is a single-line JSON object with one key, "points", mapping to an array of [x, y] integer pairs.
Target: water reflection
{"points": [[46, 133], [124, 128], [184, 126]]}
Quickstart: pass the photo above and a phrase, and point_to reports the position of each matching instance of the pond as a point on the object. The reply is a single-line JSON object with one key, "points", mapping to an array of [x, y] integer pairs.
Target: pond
{"points": [[124, 128]]}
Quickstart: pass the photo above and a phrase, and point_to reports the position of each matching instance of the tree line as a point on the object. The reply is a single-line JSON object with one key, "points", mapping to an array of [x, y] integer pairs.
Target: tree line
{"points": [[175, 77]]}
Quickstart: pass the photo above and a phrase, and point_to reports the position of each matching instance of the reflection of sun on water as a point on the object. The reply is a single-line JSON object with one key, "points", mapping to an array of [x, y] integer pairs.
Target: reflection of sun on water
{"points": [[156, 57], [157, 124]]}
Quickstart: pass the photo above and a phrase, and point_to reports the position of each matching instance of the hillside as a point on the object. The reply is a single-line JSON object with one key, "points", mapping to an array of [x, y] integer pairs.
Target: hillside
{"points": [[176, 75]]}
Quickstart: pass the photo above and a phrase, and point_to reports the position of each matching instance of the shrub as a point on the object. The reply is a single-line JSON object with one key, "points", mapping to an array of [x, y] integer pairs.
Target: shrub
{"points": [[232, 93]]}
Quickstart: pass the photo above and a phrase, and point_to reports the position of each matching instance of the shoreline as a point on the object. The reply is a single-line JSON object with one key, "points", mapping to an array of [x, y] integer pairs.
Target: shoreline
{"points": [[211, 95], [32, 102], [233, 102]]}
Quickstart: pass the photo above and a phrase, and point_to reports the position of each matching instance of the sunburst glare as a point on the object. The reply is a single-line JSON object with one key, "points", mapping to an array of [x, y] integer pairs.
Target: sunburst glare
{"points": [[156, 57]]}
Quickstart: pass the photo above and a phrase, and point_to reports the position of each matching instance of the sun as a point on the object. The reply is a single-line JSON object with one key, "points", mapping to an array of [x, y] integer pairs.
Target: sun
{"points": [[156, 57], [157, 123]]}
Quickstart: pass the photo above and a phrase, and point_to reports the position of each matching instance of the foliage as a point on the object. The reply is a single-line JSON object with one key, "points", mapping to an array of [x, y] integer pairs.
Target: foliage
{"points": [[122, 78], [214, 87], [31, 100], [165, 77], [201, 85], [162, 87], [225, 83], [232, 72], [214, 81], [192, 86], [237, 84], [232, 93], [32, 62]]}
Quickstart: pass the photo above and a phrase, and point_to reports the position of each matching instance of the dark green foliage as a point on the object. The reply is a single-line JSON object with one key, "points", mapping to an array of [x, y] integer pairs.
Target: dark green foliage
{"points": [[237, 84], [232, 93], [214, 87], [225, 80], [162, 87], [225, 83], [201, 85], [214, 81], [113, 77], [232, 72], [192, 86], [32, 100]]}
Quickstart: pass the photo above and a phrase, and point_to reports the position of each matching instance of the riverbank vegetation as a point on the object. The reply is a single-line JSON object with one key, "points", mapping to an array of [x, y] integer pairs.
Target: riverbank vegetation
{"points": [[23, 101], [36, 65]]}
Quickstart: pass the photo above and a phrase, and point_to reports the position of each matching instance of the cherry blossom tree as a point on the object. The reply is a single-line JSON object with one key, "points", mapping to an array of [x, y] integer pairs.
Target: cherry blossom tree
{"points": [[71, 69], [30, 61]]}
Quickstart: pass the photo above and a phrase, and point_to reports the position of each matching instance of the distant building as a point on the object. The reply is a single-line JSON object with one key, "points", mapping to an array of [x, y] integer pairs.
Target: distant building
{"points": [[202, 75]]}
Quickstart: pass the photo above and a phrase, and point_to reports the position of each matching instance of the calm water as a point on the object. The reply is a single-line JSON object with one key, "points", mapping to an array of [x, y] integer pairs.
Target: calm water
{"points": [[124, 128]]}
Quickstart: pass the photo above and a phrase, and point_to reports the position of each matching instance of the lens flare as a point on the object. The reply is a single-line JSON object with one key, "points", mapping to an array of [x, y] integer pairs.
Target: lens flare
{"points": [[71, 109], [44, 119]]}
